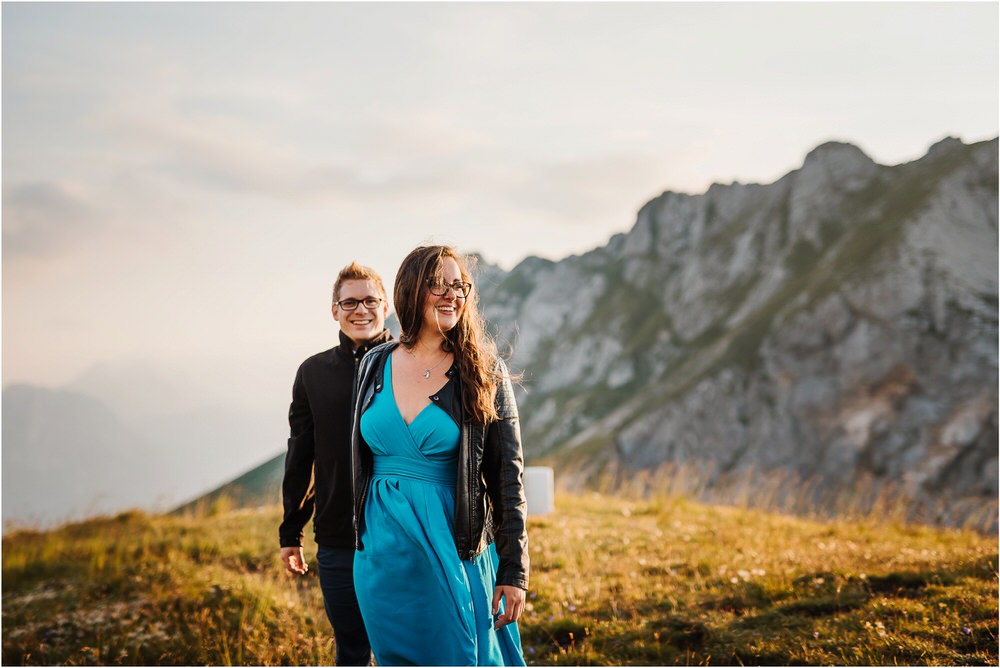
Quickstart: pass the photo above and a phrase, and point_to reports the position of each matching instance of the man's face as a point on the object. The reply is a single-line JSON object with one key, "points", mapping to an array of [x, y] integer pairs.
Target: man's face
{"points": [[362, 323]]}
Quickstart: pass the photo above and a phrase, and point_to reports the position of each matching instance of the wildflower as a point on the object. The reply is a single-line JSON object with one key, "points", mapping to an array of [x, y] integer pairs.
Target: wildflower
{"points": [[815, 634], [878, 627], [572, 608], [966, 630]]}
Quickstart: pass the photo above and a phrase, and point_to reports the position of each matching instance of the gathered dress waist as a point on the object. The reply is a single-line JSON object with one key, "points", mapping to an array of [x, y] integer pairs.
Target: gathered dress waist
{"points": [[434, 472]]}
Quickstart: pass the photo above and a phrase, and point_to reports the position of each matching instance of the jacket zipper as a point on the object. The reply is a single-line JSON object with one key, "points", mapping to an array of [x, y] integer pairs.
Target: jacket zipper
{"points": [[470, 494], [360, 509]]}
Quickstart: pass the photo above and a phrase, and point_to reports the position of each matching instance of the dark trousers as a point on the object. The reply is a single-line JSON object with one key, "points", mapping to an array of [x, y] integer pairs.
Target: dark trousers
{"points": [[336, 579]]}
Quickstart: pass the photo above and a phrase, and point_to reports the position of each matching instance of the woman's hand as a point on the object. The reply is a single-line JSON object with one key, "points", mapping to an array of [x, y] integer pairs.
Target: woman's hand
{"points": [[513, 604]]}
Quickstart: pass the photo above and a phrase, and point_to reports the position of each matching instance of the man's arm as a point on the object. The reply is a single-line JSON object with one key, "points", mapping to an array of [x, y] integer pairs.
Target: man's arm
{"points": [[294, 559], [298, 494]]}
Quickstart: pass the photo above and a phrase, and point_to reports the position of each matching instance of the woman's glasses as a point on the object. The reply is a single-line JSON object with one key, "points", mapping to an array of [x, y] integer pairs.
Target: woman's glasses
{"points": [[439, 288]]}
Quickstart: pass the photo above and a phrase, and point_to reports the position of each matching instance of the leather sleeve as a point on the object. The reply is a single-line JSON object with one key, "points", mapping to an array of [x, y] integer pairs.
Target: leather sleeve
{"points": [[298, 495], [503, 470], [361, 455]]}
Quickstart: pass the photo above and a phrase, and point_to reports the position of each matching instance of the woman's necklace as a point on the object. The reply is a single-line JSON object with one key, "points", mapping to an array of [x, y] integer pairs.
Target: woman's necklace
{"points": [[427, 371]]}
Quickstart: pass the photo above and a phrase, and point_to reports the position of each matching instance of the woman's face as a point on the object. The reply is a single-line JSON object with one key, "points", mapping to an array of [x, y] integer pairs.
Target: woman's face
{"points": [[443, 312]]}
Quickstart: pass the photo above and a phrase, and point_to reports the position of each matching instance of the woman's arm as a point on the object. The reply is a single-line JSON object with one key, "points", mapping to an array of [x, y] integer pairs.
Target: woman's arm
{"points": [[503, 469]]}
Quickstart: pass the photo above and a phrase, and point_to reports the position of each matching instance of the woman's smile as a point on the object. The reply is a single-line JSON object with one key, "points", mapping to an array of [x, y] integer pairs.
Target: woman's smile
{"points": [[443, 312]]}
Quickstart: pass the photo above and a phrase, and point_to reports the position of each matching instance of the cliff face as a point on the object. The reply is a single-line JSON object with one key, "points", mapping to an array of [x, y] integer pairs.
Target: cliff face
{"points": [[840, 322]]}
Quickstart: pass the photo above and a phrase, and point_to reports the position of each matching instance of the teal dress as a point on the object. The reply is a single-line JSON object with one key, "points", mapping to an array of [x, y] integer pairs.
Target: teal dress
{"points": [[421, 603]]}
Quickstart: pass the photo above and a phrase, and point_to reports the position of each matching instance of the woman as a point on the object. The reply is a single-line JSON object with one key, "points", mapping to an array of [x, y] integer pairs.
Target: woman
{"points": [[437, 466]]}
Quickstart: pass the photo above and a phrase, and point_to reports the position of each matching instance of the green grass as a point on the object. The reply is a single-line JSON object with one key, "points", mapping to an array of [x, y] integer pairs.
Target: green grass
{"points": [[615, 581]]}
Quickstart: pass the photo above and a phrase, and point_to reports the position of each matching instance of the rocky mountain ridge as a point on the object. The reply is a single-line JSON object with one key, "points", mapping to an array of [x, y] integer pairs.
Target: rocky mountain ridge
{"points": [[838, 323]]}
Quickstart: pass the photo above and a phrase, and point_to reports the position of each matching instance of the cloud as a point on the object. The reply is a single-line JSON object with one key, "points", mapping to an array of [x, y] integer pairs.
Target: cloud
{"points": [[208, 151], [223, 154], [42, 218]]}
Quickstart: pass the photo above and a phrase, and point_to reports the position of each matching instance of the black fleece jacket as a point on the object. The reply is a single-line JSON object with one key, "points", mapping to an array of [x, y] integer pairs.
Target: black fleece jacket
{"points": [[318, 474]]}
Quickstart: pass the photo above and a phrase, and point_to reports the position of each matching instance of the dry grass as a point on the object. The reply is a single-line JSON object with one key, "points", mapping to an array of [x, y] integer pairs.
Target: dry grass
{"points": [[673, 582], [614, 582]]}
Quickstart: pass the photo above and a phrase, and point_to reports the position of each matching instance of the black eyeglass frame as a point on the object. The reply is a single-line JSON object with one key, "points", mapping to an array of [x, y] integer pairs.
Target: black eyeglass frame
{"points": [[358, 302], [461, 288]]}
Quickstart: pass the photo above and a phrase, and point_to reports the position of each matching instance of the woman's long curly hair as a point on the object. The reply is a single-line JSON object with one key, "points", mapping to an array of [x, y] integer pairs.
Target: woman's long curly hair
{"points": [[475, 352]]}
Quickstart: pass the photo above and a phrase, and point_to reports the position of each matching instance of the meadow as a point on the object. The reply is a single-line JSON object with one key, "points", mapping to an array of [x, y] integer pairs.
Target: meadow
{"points": [[615, 580]]}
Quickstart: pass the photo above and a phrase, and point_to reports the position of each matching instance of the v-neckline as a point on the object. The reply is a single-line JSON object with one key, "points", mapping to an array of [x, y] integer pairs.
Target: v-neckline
{"points": [[395, 402], [415, 417]]}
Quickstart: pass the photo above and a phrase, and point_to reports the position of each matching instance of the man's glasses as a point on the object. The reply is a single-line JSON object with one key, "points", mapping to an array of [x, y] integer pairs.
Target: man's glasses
{"points": [[371, 303], [439, 288]]}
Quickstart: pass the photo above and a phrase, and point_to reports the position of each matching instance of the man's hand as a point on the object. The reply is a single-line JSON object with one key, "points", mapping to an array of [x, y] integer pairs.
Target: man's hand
{"points": [[294, 560], [513, 604]]}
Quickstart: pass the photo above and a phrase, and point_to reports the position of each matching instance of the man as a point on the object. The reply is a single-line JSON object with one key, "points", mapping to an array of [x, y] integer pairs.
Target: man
{"points": [[318, 473]]}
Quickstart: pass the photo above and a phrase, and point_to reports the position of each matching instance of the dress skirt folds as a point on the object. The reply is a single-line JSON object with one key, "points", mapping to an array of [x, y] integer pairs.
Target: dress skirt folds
{"points": [[421, 603]]}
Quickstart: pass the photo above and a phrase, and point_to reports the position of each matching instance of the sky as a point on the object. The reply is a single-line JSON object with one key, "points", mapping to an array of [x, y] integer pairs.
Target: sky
{"points": [[182, 181]]}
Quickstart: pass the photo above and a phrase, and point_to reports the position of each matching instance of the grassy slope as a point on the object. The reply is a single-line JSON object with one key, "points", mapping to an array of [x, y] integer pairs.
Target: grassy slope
{"points": [[613, 582], [257, 486]]}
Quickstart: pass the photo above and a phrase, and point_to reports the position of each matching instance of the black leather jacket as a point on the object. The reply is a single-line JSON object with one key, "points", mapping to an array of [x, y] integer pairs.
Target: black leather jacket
{"points": [[489, 492]]}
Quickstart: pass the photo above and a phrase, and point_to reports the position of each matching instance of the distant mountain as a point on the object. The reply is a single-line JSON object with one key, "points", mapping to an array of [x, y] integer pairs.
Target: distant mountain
{"points": [[177, 414], [839, 323], [67, 456]]}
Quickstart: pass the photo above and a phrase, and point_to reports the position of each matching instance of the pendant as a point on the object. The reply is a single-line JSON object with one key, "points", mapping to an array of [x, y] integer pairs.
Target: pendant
{"points": [[427, 373]]}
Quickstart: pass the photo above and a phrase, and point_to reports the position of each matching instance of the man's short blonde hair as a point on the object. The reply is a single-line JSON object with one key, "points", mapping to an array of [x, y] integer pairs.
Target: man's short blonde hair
{"points": [[357, 272]]}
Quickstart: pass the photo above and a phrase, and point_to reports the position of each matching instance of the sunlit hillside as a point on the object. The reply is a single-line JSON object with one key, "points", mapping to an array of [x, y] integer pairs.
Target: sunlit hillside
{"points": [[614, 582]]}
